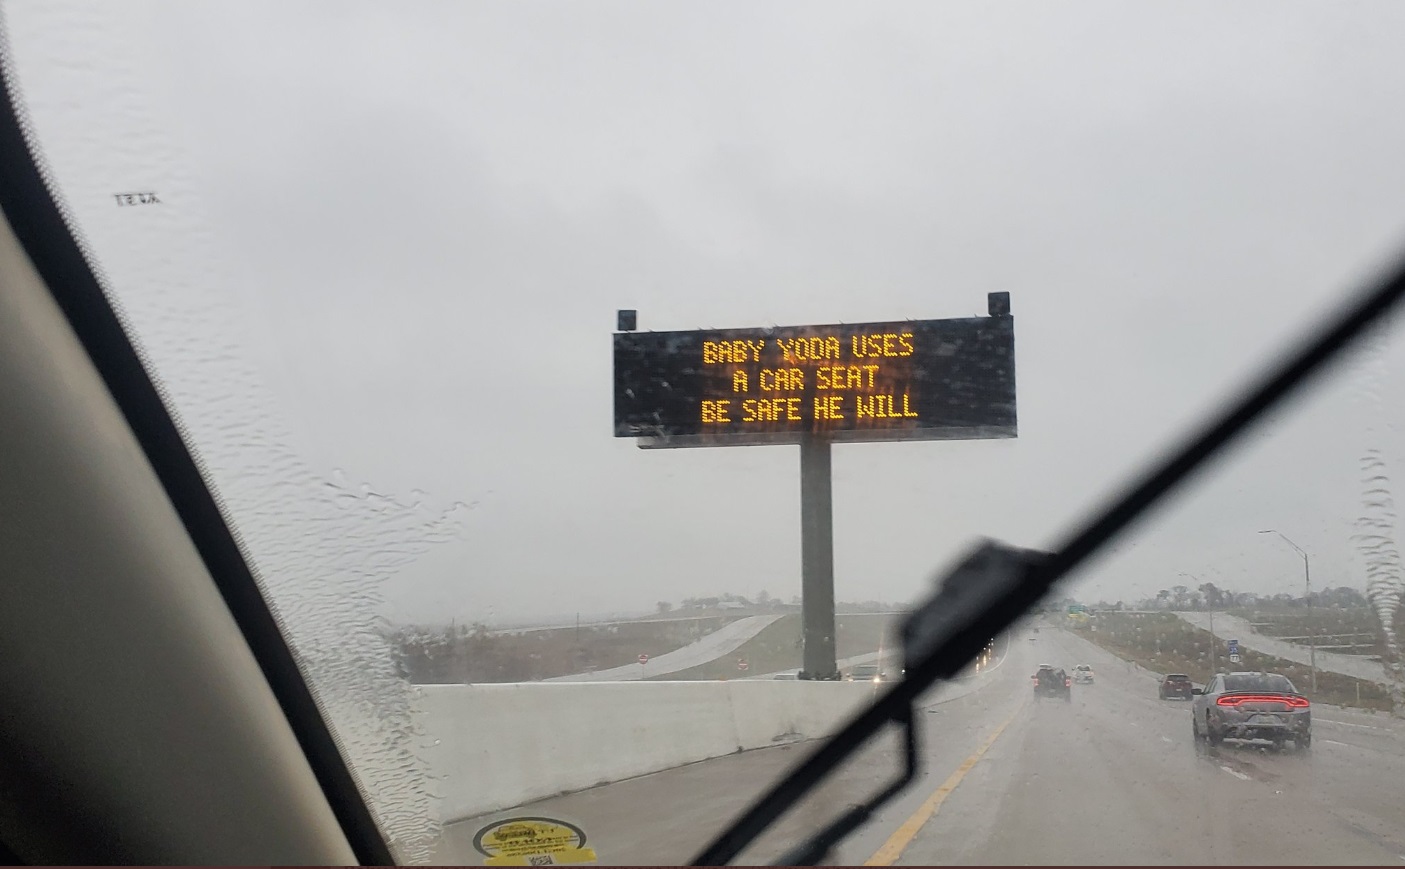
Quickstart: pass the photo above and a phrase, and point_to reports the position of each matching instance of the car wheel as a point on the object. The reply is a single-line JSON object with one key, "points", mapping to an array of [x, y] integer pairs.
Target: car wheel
{"points": [[1195, 729], [1303, 742], [1211, 734]]}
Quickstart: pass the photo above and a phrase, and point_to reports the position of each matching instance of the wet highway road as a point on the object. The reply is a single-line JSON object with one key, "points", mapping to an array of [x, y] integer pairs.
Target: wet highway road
{"points": [[1112, 777]]}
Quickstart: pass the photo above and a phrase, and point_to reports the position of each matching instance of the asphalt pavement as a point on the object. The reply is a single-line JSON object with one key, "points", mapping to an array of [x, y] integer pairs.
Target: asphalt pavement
{"points": [[1112, 777]]}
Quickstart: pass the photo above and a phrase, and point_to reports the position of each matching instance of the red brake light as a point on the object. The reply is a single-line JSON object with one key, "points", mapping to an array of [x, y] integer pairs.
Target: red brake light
{"points": [[1068, 683], [1290, 700]]}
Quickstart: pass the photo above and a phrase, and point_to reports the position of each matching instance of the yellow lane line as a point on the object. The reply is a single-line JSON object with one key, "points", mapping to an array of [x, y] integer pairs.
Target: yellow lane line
{"points": [[903, 836]]}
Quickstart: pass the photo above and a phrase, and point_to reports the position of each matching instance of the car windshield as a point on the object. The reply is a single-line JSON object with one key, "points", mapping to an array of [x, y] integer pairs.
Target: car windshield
{"points": [[1258, 682], [572, 374]]}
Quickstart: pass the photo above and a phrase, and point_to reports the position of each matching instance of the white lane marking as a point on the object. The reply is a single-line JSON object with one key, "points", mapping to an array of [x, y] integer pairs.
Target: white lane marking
{"points": [[1236, 773], [1348, 724], [1334, 742], [1168, 739]]}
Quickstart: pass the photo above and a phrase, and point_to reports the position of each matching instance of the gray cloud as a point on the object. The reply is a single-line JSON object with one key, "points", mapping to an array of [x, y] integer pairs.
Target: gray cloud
{"points": [[430, 214]]}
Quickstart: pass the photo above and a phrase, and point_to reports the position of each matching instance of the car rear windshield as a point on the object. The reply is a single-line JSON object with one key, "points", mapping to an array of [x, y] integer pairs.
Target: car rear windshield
{"points": [[1259, 682], [1177, 678]]}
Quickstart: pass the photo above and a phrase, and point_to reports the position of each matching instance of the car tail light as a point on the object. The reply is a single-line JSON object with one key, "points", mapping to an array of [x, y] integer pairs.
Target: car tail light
{"points": [[1068, 683], [1290, 700]]}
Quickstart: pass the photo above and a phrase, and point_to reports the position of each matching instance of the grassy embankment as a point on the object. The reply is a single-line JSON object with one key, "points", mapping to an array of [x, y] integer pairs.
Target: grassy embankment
{"points": [[1358, 627], [467, 655], [778, 647], [1163, 643]]}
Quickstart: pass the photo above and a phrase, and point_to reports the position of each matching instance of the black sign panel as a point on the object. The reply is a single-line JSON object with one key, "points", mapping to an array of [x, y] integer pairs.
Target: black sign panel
{"points": [[912, 380]]}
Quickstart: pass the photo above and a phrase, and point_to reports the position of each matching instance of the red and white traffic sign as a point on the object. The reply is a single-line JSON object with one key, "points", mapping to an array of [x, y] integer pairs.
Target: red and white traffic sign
{"points": [[643, 659], [741, 664]]}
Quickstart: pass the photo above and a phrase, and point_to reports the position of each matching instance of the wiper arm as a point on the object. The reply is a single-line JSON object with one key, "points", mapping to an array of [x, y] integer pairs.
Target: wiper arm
{"points": [[990, 589], [945, 634]]}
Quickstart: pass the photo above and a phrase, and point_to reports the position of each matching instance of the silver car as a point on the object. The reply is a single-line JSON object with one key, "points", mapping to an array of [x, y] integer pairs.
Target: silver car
{"points": [[1252, 706]]}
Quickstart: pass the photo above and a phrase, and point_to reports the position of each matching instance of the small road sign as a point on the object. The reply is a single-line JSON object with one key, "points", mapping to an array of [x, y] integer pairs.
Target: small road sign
{"points": [[1234, 659], [643, 659], [742, 664]]}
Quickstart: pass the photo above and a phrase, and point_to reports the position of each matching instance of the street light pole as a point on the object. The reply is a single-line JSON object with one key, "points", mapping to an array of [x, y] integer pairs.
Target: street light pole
{"points": [[1307, 590], [1214, 646], [1214, 641]]}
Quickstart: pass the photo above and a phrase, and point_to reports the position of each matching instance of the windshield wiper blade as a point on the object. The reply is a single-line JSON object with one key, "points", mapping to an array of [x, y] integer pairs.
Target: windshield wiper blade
{"points": [[988, 591], [953, 625], [950, 645]]}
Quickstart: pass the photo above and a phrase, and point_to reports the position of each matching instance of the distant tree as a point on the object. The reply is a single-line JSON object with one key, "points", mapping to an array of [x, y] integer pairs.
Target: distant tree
{"points": [[1344, 597], [664, 606], [763, 597], [1213, 596], [1163, 598]]}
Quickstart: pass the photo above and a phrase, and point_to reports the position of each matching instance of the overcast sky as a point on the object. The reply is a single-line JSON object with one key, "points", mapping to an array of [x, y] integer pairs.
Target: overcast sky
{"points": [[392, 239]]}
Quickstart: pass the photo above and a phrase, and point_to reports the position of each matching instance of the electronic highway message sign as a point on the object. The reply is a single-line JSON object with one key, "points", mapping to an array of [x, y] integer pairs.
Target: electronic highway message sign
{"points": [[911, 380]]}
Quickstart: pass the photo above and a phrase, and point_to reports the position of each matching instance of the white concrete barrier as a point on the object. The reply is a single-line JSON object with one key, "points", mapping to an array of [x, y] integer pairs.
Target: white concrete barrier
{"points": [[493, 747]]}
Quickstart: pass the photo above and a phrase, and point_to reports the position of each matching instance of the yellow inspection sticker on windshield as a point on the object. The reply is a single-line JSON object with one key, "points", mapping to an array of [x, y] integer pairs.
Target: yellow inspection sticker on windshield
{"points": [[533, 842]]}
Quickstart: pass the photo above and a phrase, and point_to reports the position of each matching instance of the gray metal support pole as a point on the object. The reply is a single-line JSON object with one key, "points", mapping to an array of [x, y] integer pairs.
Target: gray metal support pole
{"points": [[1307, 590], [817, 561], [1311, 624], [1214, 647]]}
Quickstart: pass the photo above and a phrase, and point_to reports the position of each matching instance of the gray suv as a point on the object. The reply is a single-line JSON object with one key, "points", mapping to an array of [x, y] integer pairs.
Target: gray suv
{"points": [[1252, 706]]}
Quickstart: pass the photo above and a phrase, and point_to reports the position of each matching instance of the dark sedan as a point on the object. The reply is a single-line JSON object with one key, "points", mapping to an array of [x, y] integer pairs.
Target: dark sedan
{"points": [[1176, 685], [1252, 706], [1052, 681]]}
